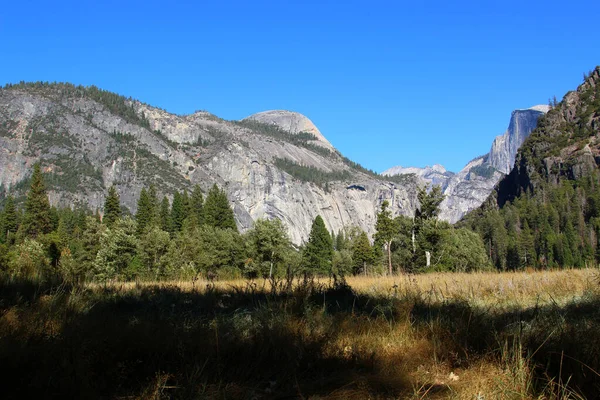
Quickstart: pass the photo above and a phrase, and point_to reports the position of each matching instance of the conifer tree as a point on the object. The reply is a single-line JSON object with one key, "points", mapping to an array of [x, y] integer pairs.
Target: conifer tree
{"points": [[196, 204], [143, 216], [318, 254], [112, 207], [154, 204], [362, 253], [9, 218], [177, 212], [165, 215], [36, 220], [217, 212], [386, 230]]}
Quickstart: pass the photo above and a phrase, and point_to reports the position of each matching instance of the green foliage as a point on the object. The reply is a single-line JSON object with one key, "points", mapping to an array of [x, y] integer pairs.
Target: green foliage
{"points": [[217, 212], [362, 254], [145, 212], [152, 249], [386, 229], [29, 261], [269, 247], [311, 174], [36, 220], [8, 219], [164, 217], [118, 246], [112, 207], [483, 170], [318, 253]]}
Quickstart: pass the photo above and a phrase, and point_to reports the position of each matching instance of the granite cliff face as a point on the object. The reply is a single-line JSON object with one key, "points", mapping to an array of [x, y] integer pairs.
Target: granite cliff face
{"points": [[88, 140], [468, 189], [435, 175]]}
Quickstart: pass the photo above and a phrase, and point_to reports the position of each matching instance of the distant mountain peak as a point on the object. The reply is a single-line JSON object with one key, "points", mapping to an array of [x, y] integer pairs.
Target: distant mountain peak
{"points": [[292, 122]]}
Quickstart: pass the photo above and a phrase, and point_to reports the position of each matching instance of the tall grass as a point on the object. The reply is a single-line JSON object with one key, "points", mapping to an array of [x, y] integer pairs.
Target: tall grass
{"points": [[526, 335]]}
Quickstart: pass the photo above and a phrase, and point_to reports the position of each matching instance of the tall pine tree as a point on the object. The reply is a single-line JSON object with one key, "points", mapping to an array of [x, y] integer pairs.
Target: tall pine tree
{"points": [[165, 215], [144, 213], [386, 231], [178, 212], [112, 207], [318, 254], [9, 218], [36, 220], [196, 205], [216, 210]]}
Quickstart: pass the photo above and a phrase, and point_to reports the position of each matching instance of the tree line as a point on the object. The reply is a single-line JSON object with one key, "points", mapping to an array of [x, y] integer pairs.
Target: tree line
{"points": [[195, 235]]}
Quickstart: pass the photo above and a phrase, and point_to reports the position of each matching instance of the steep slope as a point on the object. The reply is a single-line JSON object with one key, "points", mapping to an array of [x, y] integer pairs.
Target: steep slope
{"points": [[88, 139], [469, 188], [435, 175], [546, 212]]}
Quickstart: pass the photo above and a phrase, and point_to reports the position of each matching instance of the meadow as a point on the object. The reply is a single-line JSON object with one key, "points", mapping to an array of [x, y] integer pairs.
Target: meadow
{"points": [[524, 335]]}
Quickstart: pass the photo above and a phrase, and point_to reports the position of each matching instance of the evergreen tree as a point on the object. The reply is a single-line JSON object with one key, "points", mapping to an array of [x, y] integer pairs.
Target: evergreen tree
{"points": [[196, 205], [165, 215], [178, 213], [318, 253], [9, 219], [362, 253], [386, 231], [217, 212], [429, 203], [36, 220], [112, 207], [144, 214], [154, 205]]}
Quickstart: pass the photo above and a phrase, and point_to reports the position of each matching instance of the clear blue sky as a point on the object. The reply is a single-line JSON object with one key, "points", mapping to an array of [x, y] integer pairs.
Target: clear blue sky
{"points": [[387, 82]]}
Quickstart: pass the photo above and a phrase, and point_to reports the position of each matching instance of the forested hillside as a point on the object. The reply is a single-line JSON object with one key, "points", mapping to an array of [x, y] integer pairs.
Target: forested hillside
{"points": [[546, 212]]}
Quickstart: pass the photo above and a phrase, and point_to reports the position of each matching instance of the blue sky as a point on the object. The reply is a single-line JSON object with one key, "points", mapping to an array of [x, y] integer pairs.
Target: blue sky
{"points": [[388, 83]]}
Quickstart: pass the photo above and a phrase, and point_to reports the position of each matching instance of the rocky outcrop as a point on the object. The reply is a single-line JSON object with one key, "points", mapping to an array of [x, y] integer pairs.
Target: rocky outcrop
{"points": [[87, 142], [435, 175], [292, 122]]}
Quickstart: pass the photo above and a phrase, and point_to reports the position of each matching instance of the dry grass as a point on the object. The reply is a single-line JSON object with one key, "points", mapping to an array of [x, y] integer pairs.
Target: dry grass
{"points": [[459, 336]]}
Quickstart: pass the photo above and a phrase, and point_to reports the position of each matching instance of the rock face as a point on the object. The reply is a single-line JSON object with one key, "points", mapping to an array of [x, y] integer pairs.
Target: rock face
{"points": [[87, 140], [435, 175], [564, 147], [292, 122], [469, 188]]}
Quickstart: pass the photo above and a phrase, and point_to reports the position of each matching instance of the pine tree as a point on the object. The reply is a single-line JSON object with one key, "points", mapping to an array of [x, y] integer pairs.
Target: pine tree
{"points": [[362, 253], [9, 218], [386, 230], [112, 207], [144, 213], [154, 204], [36, 220], [318, 254], [217, 212], [177, 212], [196, 205], [165, 215]]}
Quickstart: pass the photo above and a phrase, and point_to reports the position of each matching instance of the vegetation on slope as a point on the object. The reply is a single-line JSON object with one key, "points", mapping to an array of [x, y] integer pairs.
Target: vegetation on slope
{"points": [[546, 212]]}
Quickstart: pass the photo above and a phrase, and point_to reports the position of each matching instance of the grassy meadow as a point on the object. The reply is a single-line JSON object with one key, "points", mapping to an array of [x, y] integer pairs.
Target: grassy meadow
{"points": [[525, 335]]}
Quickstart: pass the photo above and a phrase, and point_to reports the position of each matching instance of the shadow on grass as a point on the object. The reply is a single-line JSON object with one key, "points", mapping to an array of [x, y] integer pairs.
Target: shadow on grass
{"points": [[162, 342]]}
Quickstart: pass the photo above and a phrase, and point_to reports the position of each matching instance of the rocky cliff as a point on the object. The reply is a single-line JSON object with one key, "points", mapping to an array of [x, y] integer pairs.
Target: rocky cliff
{"points": [[272, 165], [564, 147], [468, 189], [435, 175]]}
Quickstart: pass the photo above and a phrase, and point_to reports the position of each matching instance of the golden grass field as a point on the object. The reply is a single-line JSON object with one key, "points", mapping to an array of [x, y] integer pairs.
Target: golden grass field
{"points": [[522, 335]]}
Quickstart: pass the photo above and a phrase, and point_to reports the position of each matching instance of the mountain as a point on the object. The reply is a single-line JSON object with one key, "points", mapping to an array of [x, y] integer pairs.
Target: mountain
{"points": [[435, 175], [272, 165], [546, 212], [468, 189], [292, 122]]}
